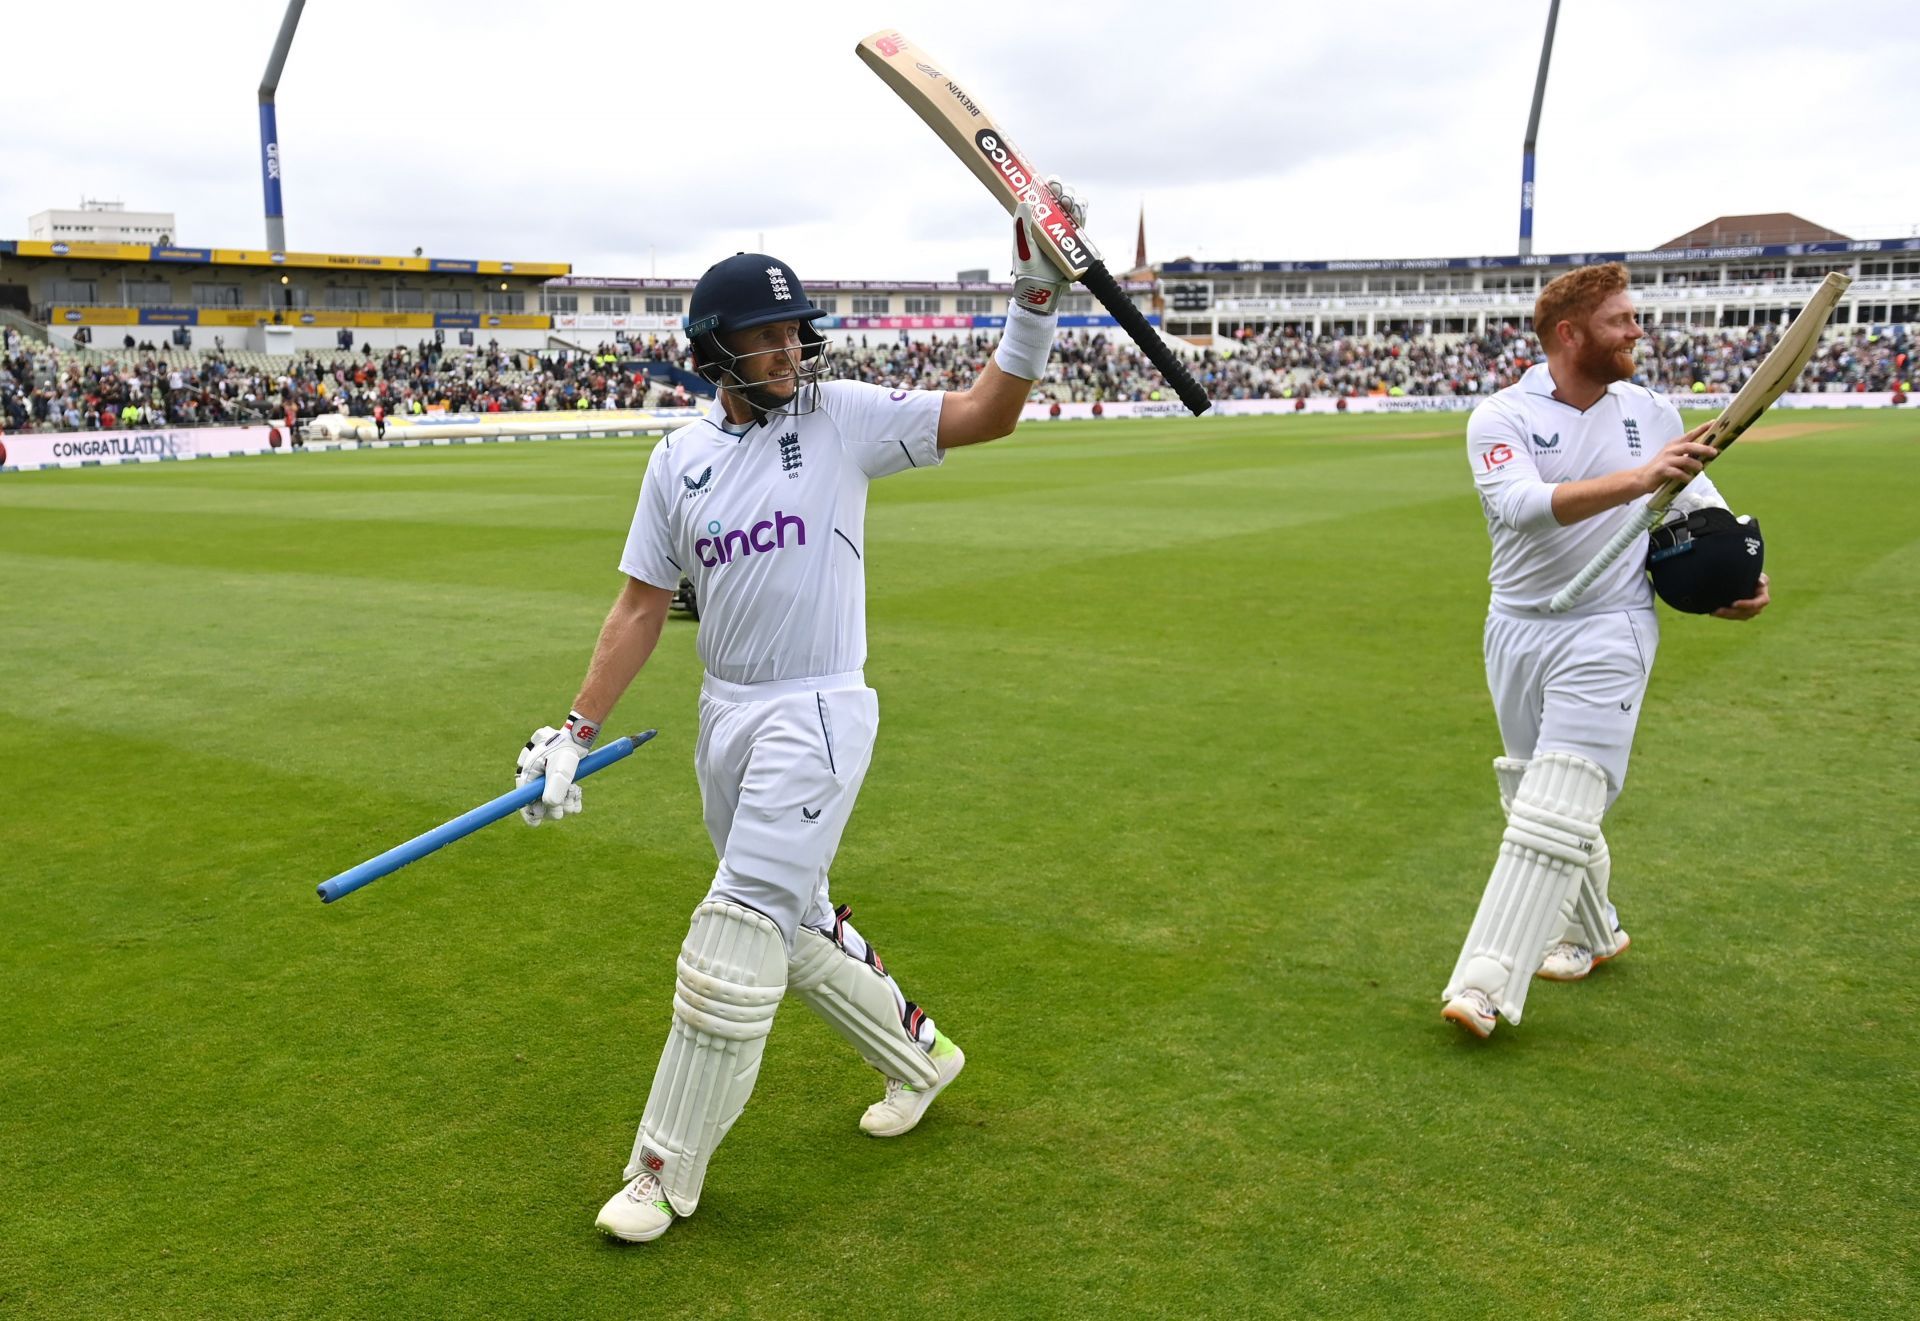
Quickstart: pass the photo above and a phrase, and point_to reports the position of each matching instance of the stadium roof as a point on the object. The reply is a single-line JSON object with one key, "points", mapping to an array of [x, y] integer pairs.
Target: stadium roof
{"points": [[256, 257], [1707, 252], [1770, 227]]}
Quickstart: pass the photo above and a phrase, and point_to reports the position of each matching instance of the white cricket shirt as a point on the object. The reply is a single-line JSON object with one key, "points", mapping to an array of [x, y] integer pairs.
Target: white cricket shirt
{"points": [[771, 526], [1523, 442]]}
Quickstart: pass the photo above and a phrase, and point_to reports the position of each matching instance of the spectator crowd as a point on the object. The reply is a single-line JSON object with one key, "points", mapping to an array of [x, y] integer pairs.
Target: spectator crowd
{"points": [[1103, 366], [46, 389]]}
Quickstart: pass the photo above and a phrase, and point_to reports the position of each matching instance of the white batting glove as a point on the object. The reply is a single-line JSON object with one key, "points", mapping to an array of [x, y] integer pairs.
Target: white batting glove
{"points": [[556, 754], [1037, 282]]}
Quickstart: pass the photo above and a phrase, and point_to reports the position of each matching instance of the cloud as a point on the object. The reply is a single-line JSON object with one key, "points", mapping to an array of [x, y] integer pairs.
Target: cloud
{"points": [[626, 138]]}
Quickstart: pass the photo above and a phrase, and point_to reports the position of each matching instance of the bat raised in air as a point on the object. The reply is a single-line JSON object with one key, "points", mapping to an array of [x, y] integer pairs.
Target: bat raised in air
{"points": [[983, 147], [1780, 369]]}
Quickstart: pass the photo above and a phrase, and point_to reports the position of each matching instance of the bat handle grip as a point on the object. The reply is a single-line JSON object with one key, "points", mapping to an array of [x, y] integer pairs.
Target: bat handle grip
{"points": [[1101, 284], [1637, 527]]}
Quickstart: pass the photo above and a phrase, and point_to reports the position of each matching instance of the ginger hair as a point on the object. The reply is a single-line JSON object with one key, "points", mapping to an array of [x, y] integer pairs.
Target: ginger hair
{"points": [[1574, 297]]}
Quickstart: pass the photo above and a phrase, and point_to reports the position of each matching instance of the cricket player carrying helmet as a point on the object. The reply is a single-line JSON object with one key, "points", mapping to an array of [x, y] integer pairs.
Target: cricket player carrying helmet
{"points": [[1562, 459], [762, 504]]}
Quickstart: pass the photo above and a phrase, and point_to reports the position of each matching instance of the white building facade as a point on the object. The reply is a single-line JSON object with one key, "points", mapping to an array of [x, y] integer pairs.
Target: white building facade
{"points": [[102, 222], [1745, 285]]}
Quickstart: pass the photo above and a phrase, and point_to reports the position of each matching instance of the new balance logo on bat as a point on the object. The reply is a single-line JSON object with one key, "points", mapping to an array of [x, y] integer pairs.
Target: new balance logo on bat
{"points": [[1046, 211]]}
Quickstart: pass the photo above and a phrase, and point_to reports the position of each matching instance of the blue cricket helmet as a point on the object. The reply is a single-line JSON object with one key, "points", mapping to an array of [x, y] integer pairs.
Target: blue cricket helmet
{"points": [[1706, 560], [747, 289]]}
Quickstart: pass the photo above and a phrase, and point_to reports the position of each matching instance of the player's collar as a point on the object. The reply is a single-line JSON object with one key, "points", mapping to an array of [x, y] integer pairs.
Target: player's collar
{"points": [[1537, 379], [717, 415]]}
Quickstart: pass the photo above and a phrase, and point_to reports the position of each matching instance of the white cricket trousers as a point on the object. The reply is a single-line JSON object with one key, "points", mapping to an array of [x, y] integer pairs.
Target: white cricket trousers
{"points": [[780, 766], [1572, 685]]}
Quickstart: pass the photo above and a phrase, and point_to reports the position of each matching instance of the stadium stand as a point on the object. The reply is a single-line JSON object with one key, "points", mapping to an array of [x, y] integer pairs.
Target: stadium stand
{"points": [[46, 389], [534, 337]]}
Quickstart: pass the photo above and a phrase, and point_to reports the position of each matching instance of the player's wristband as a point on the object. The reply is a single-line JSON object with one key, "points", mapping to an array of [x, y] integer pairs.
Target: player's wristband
{"points": [[582, 730], [1026, 343]]}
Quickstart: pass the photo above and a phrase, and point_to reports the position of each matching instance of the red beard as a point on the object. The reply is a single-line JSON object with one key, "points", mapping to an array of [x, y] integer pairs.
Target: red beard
{"points": [[1599, 363]]}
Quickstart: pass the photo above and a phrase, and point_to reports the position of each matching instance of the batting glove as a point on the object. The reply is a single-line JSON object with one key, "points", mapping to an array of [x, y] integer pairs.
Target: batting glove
{"points": [[1037, 282], [556, 754]]}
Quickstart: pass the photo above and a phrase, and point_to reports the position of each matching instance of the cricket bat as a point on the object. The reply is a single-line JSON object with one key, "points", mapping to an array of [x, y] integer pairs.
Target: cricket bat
{"points": [[983, 147], [1778, 371]]}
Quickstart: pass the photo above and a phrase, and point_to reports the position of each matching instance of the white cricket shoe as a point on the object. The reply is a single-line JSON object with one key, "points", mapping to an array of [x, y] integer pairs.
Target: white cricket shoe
{"points": [[1568, 962], [638, 1213], [1473, 1010], [900, 1109]]}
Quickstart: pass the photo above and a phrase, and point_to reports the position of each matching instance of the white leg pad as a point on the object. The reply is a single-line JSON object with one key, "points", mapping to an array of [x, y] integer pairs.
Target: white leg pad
{"points": [[1592, 924], [1552, 825], [732, 973], [861, 1003]]}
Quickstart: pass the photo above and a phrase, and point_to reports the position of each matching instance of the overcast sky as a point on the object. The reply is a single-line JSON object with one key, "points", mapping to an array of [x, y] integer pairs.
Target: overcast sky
{"points": [[640, 139]]}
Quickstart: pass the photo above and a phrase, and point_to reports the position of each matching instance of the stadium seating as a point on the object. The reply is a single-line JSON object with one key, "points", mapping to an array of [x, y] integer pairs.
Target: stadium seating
{"points": [[38, 384]]}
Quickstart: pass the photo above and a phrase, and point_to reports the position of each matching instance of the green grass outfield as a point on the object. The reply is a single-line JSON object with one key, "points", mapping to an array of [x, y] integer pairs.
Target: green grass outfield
{"points": [[1181, 808]]}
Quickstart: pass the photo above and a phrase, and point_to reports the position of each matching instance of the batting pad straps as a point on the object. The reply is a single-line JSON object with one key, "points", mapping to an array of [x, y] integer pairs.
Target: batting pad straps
{"points": [[858, 1000], [732, 974], [1508, 771], [1026, 343], [1544, 829]]}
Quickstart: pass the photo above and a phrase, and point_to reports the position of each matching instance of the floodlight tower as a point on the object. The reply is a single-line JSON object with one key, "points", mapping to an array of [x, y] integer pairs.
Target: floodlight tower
{"points": [[1533, 131], [270, 132]]}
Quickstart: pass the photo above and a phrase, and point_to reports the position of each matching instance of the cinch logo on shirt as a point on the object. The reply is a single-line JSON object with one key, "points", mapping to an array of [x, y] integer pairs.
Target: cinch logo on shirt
{"points": [[768, 534]]}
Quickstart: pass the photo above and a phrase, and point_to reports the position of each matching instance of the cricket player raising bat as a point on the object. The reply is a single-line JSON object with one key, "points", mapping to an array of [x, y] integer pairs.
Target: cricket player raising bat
{"points": [[1562, 460], [763, 505]]}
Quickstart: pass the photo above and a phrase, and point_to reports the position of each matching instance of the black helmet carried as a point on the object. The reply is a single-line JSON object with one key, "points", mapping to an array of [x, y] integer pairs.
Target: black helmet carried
{"points": [[746, 290], [1706, 560]]}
